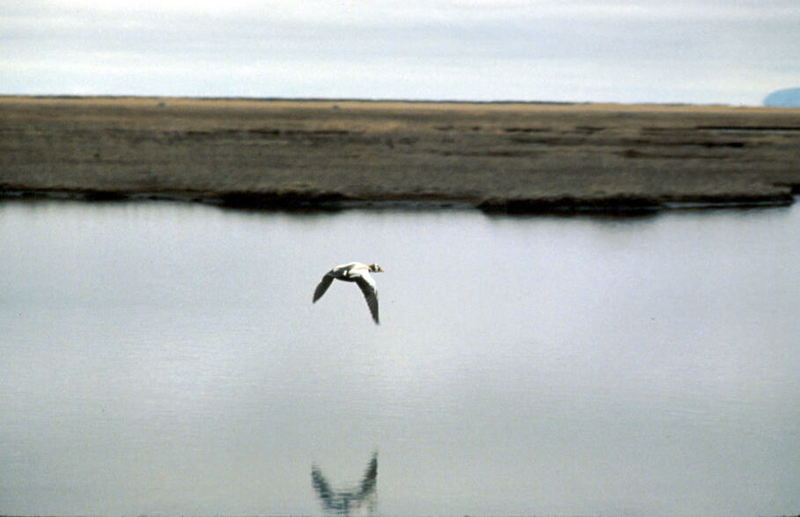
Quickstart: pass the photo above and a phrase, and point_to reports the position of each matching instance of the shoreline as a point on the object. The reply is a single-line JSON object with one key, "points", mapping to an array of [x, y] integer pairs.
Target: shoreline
{"points": [[325, 202], [502, 157]]}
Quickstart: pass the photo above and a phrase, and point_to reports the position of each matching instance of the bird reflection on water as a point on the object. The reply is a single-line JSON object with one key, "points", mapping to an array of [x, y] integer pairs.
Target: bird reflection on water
{"points": [[361, 498]]}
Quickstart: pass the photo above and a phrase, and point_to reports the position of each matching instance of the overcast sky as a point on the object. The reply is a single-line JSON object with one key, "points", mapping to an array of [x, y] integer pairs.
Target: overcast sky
{"points": [[688, 51]]}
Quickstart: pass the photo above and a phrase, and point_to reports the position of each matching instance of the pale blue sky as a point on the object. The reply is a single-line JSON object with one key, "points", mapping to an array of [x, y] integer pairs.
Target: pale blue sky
{"points": [[700, 51]]}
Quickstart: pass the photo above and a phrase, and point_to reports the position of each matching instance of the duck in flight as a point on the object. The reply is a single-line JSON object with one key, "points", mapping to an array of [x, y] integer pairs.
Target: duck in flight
{"points": [[358, 273], [342, 502]]}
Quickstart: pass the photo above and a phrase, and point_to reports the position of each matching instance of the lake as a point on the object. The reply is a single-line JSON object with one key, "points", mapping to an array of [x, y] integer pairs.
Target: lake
{"points": [[166, 359]]}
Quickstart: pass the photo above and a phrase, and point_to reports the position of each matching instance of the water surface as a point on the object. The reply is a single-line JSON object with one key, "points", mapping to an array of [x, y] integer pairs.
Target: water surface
{"points": [[164, 358]]}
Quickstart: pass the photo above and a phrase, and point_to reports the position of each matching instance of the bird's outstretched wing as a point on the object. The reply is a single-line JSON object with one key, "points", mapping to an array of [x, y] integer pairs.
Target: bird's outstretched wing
{"points": [[323, 286], [370, 477], [367, 285], [322, 487]]}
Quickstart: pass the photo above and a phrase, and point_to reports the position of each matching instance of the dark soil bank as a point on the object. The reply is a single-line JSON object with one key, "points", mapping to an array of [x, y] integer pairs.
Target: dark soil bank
{"points": [[324, 154]]}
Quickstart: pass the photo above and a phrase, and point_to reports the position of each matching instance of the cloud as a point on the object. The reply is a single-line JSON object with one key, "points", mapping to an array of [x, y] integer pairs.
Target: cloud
{"points": [[444, 47], [422, 11]]}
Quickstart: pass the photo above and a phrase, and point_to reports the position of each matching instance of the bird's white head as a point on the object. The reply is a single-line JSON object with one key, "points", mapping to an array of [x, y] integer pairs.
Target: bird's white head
{"points": [[375, 268]]}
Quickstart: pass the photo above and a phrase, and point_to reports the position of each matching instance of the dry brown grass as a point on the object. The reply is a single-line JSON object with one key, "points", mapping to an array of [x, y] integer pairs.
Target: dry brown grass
{"points": [[504, 156]]}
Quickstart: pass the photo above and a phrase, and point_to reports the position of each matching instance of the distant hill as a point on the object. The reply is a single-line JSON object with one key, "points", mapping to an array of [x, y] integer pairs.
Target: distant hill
{"points": [[788, 98]]}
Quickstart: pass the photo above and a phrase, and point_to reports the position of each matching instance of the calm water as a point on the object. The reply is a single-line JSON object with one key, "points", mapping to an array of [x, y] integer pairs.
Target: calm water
{"points": [[166, 359]]}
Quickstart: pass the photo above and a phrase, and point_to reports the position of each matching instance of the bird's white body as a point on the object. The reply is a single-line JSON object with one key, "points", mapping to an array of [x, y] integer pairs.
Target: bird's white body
{"points": [[358, 273], [351, 271]]}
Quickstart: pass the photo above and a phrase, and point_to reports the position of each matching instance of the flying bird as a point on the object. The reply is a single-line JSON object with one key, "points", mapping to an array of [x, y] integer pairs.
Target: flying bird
{"points": [[342, 502], [358, 273]]}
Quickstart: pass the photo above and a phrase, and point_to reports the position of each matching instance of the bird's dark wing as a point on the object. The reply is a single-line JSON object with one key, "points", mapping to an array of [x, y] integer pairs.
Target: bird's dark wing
{"points": [[322, 487], [323, 286], [367, 286], [370, 477]]}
